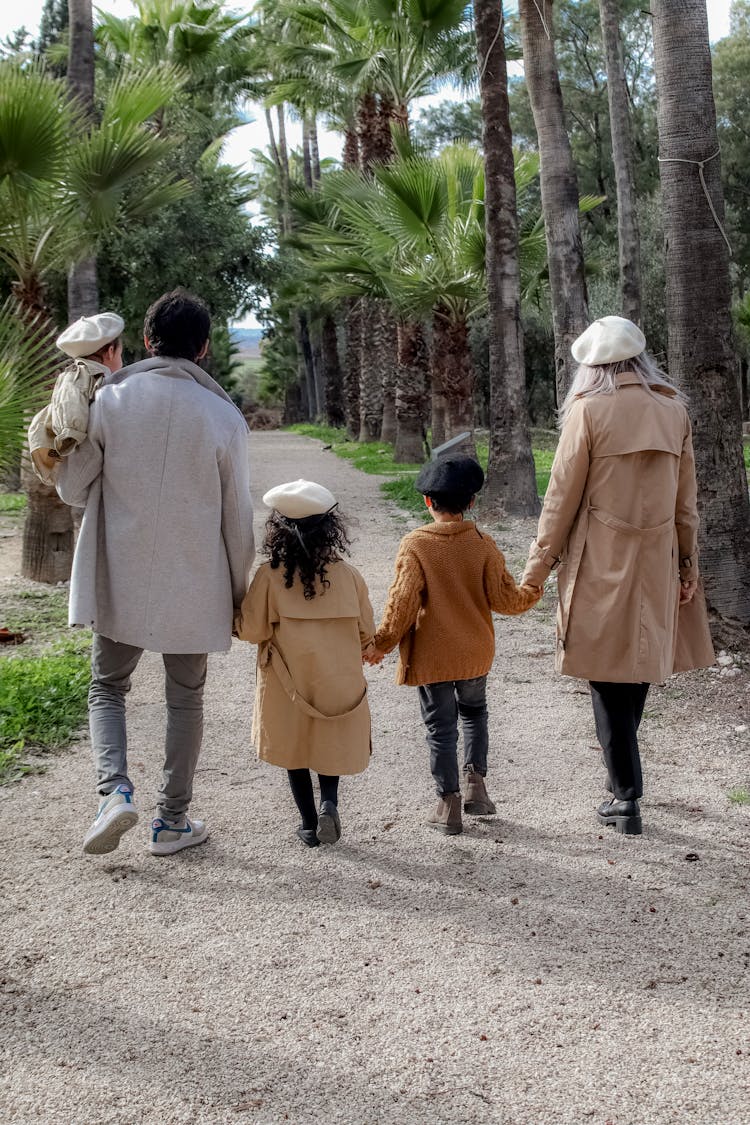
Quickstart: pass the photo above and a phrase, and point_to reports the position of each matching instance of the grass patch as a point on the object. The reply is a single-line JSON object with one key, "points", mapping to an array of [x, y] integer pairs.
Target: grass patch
{"points": [[739, 796], [40, 614], [42, 703], [12, 502], [377, 457]]}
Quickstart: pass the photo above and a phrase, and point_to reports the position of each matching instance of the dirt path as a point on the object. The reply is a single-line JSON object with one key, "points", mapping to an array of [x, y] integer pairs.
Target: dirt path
{"points": [[532, 971]]}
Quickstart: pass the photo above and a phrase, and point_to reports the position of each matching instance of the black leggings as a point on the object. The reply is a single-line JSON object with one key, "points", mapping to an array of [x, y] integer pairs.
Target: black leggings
{"points": [[618, 709], [301, 785]]}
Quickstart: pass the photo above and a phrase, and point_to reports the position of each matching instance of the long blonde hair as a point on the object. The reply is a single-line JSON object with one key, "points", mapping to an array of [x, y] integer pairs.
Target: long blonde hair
{"points": [[602, 379]]}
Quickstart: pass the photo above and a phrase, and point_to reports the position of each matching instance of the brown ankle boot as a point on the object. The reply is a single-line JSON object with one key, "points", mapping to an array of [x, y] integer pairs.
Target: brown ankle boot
{"points": [[477, 801], [447, 816]]}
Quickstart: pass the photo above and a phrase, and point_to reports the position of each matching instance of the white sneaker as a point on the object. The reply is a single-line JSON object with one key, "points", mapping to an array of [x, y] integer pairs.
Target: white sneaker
{"points": [[166, 839], [117, 815]]}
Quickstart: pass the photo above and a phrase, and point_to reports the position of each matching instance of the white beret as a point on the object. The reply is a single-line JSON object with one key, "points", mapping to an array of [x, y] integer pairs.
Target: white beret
{"points": [[608, 340], [300, 498], [90, 333]]}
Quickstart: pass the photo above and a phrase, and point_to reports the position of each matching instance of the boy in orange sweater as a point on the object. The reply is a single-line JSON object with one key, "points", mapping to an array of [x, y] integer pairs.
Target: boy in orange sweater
{"points": [[449, 579]]}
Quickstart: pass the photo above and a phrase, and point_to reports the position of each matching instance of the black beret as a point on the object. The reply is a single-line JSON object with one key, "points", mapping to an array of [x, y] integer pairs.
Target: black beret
{"points": [[462, 475]]}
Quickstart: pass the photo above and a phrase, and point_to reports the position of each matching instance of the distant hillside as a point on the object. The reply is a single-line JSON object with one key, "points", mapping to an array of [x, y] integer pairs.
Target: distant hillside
{"points": [[248, 340]]}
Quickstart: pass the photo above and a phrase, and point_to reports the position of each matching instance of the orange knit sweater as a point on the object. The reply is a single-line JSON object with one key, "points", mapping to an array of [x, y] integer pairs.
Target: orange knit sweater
{"points": [[449, 578]]}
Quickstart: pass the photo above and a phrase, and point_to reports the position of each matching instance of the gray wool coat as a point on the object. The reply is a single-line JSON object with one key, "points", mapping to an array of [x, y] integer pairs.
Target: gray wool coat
{"points": [[166, 544]]}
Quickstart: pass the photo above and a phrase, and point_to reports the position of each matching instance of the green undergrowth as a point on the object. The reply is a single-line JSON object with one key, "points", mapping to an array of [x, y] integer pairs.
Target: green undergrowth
{"points": [[11, 502], [377, 457], [740, 796], [43, 682]]}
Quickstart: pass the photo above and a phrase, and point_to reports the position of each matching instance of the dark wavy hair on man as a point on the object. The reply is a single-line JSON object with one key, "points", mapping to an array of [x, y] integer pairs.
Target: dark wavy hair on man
{"points": [[306, 547], [178, 324]]}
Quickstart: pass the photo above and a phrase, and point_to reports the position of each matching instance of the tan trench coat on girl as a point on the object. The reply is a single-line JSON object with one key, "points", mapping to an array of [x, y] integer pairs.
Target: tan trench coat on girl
{"points": [[311, 706], [620, 520]]}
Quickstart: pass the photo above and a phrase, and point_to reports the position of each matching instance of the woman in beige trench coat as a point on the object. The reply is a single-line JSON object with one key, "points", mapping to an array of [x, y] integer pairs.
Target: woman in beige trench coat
{"points": [[309, 613], [620, 521]]}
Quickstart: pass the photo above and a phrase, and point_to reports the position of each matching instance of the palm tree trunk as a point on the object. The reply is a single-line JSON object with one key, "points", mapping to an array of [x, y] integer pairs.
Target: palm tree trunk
{"points": [[304, 349], [622, 156], [353, 365], [371, 373], [412, 376], [332, 367], [83, 288], [350, 155], [698, 297], [306, 153], [451, 339], [368, 131], [47, 553], [316, 348], [314, 149], [511, 481], [438, 408], [559, 188], [388, 361]]}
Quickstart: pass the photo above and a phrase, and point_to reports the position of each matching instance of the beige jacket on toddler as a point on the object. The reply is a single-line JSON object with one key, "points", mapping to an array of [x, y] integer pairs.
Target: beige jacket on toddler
{"points": [[61, 426]]}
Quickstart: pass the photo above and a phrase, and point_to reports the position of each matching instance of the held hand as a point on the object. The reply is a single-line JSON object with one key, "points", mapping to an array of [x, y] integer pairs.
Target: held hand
{"points": [[372, 655], [687, 590]]}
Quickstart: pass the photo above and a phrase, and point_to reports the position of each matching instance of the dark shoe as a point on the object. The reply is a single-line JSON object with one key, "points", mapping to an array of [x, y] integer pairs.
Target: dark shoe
{"points": [[329, 825], [308, 836], [623, 816], [447, 816], [477, 801]]}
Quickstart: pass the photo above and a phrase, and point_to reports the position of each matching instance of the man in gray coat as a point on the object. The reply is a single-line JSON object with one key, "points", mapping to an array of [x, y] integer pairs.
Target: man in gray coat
{"points": [[163, 556]]}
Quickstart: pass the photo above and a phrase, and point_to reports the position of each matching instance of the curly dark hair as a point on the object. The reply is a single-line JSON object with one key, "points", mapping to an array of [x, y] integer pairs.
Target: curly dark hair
{"points": [[306, 547]]}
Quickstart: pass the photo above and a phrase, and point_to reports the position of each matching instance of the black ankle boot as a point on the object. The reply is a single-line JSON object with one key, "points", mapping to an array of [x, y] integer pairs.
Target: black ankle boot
{"points": [[308, 836], [623, 816]]}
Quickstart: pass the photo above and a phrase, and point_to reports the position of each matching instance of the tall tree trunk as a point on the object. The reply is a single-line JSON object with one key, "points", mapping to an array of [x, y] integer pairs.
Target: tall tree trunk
{"points": [[306, 153], [701, 354], [451, 340], [316, 347], [368, 131], [438, 409], [305, 351], [314, 149], [371, 373], [350, 155], [83, 288], [47, 553], [354, 327], [511, 481], [412, 378], [622, 156], [559, 188], [334, 389], [388, 362]]}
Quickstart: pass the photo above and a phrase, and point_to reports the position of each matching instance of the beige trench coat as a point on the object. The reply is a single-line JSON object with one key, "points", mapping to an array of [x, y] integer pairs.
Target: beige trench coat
{"points": [[620, 520], [311, 706]]}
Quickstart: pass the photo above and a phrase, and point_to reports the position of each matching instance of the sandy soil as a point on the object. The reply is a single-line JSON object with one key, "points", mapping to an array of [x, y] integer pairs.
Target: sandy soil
{"points": [[535, 970]]}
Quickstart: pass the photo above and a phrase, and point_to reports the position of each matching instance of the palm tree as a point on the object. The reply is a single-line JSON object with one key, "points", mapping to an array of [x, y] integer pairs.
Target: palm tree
{"points": [[26, 369], [622, 158], [701, 353], [559, 186], [61, 190]]}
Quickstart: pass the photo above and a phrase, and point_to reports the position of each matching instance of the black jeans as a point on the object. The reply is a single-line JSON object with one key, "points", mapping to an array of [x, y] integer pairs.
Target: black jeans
{"points": [[618, 709], [441, 705], [300, 782]]}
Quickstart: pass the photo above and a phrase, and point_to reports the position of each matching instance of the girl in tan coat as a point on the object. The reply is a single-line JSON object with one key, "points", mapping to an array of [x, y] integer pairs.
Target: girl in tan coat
{"points": [[620, 520], [310, 615]]}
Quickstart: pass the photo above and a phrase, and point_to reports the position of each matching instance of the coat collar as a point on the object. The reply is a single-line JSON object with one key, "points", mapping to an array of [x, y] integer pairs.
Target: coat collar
{"points": [[460, 527], [177, 368], [628, 378]]}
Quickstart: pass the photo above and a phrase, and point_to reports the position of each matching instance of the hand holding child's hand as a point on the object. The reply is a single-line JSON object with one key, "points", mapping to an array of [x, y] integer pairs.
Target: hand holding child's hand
{"points": [[372, 655]]}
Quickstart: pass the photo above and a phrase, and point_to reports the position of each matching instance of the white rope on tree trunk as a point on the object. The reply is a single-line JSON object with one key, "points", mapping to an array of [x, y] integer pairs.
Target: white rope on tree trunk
{"points": [[543, 17], [701, 163]]}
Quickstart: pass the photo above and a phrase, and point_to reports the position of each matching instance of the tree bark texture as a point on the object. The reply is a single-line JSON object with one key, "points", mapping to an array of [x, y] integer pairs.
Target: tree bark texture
{"points": [[334, 400], [388, 361], [451, 340], [559, 188], [47, 553], [350, 155], [316, 347], [304, 348], [698, 297], [511, 480], [371, 373], [368, 131], [622, 156], [353, 328], [83, 288], [412, 394]]}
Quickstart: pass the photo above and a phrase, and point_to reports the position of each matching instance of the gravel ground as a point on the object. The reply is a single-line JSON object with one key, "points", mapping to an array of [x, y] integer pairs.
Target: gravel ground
{"points": [[534, 970]]}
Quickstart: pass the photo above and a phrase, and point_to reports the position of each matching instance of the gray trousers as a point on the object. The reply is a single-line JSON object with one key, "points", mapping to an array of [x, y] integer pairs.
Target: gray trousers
{"points": [[112, 665]]}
